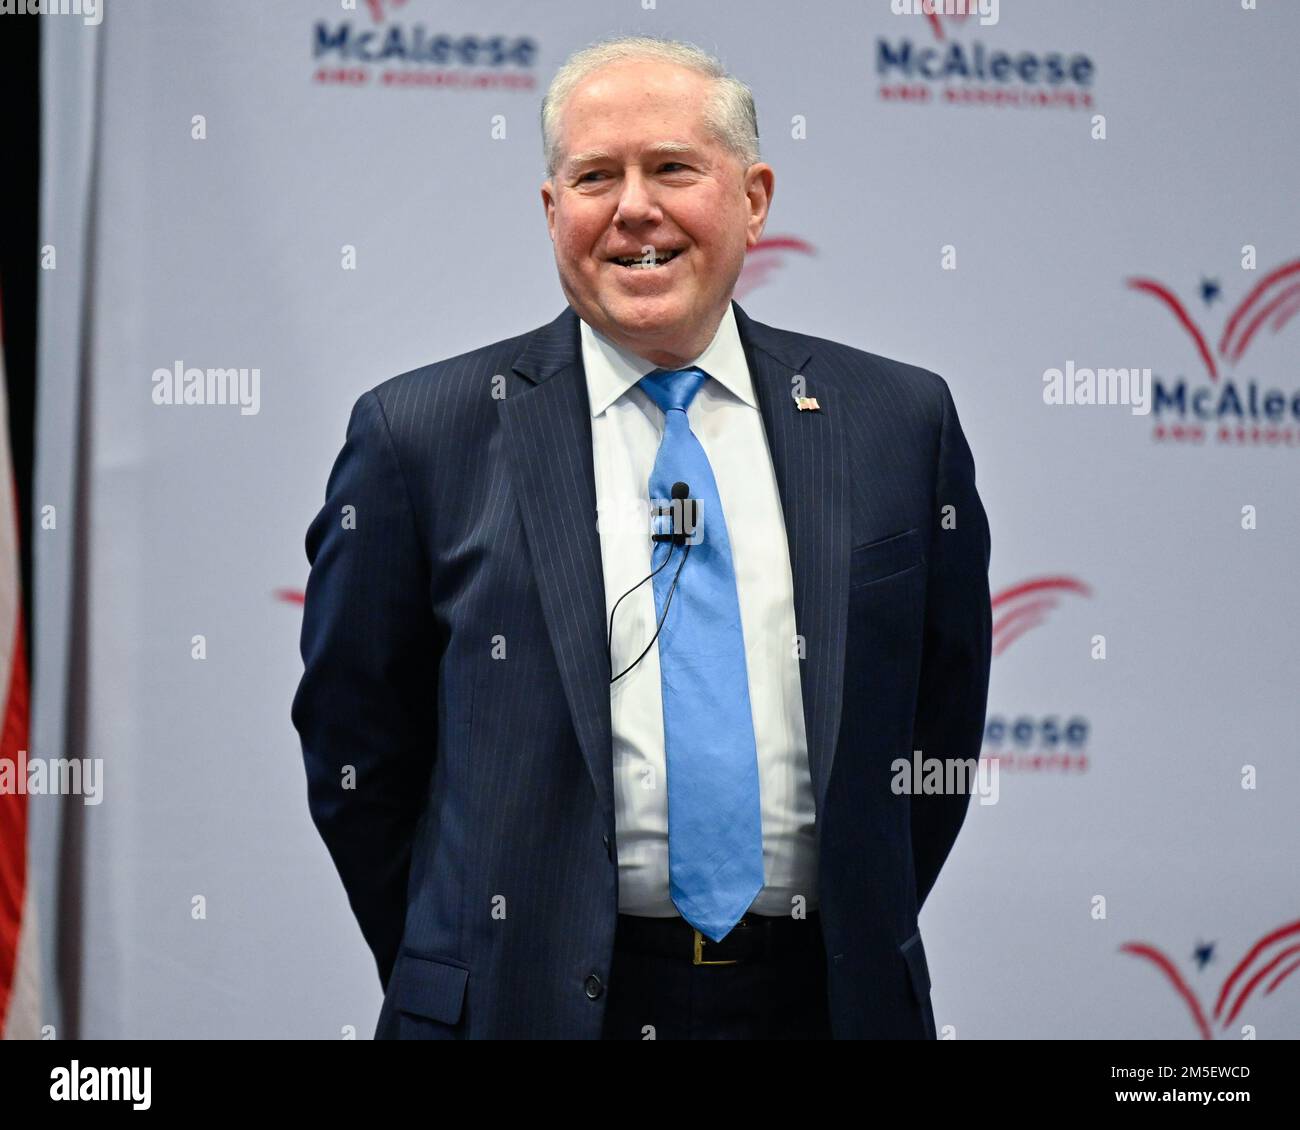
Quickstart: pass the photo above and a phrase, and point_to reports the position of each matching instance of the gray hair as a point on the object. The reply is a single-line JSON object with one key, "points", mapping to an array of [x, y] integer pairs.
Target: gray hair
{"points": [[729, 113]]}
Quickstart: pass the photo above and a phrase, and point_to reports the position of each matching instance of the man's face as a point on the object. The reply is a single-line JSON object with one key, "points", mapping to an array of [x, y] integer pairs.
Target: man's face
{"points": [[615, 194]]}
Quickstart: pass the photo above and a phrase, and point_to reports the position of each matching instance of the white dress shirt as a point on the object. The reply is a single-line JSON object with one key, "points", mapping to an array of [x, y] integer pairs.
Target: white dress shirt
{"points": [[626, 428]]}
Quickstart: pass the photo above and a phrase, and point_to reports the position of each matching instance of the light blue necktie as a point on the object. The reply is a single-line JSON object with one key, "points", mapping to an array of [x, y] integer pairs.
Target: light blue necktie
{"points": [[715, 834]]}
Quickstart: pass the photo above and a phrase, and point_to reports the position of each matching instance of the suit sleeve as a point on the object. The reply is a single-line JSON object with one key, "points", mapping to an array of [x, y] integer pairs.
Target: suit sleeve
{"points": [[955, 661], [365, 709]]}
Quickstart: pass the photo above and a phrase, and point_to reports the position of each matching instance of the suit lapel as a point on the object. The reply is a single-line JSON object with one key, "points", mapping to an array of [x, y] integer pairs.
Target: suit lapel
{"points": [[809, 459], [547, 428], [548, 436]]}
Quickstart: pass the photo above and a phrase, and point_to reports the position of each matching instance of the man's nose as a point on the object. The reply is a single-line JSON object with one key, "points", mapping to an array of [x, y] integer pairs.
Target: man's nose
{"points": [[636, 202]]}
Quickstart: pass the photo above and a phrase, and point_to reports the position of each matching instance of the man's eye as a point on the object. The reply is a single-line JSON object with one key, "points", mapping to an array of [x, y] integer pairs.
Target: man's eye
{"points": [[593, 173], [667, 163]]}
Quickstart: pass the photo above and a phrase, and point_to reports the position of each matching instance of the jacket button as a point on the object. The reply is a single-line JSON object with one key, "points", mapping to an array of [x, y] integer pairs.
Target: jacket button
{"points": [[594, 987]]}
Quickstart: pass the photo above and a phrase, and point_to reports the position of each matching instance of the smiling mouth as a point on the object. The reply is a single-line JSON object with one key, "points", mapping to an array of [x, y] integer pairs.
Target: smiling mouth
{"points": [[640, 263]]}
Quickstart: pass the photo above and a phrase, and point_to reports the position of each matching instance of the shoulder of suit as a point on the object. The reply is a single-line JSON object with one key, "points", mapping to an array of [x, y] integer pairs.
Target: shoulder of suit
{"points": [[884, 374], [470, 365], [451, 390]]}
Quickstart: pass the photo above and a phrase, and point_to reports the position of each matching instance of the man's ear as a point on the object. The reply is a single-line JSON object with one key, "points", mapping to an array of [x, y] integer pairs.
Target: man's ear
{"points": [[760, 183], [548, 205]]}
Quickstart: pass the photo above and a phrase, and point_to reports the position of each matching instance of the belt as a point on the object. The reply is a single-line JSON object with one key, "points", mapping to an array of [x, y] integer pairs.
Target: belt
{"points": [[756, 937]]}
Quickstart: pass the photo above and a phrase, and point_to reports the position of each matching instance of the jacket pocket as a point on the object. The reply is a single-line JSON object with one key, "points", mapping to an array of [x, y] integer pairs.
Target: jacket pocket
{"points": [[878, 560], [431, 988]]}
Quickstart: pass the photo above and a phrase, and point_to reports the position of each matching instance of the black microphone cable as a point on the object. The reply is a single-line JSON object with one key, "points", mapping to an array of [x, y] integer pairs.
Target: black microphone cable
{"points": [[681, 493]]}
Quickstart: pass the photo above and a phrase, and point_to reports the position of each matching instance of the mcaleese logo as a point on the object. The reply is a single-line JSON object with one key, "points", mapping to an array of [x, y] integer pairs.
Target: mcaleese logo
{"points": [[374, 49], [1257, 974], [936, 68], [1243, 409], [1029, 741]]}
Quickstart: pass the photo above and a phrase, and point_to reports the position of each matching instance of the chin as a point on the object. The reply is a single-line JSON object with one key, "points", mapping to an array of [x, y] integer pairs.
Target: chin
{"points": [[648, 313]]}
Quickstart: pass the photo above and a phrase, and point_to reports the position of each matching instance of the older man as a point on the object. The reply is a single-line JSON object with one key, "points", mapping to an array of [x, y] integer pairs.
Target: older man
{"points": [[616, 628]]}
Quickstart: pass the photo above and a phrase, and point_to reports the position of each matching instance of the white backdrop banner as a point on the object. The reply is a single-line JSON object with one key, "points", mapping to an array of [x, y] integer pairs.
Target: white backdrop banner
{"points": [[1083, 216]]}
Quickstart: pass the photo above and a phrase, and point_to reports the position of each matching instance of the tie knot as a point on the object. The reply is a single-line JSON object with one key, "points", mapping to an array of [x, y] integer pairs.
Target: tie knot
{"points": [[672, 389]]}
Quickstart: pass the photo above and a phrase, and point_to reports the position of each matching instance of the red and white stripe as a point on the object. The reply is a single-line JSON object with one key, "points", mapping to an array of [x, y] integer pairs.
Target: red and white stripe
{"points": [[19, 957]]}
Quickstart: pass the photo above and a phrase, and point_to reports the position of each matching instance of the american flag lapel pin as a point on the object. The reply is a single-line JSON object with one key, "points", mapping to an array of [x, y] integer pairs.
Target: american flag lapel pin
{"points": [[807, 404]]}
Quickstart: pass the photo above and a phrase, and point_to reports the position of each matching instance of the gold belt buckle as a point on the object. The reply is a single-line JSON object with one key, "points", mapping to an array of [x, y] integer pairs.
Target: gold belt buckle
{"points": [[698, 958]]}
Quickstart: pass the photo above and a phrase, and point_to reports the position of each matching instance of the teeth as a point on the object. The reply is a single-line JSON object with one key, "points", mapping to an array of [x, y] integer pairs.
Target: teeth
{"points": [[638, 261]]}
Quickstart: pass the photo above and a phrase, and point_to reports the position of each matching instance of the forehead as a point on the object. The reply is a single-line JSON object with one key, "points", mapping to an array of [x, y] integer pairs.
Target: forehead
{"points": [[635, 102]]}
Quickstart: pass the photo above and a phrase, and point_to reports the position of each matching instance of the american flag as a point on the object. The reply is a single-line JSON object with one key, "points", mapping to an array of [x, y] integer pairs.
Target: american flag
{"points": [[19, 972]]}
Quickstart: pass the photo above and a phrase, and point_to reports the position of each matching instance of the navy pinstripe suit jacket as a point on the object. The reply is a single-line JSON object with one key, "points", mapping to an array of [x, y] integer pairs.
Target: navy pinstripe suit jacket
{"points": [[476, 838]]}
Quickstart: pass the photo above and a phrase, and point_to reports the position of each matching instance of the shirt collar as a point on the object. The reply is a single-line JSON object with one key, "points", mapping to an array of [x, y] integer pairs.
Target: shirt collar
{"points": [[612, 370]]}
